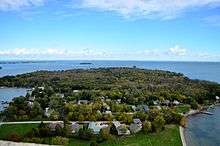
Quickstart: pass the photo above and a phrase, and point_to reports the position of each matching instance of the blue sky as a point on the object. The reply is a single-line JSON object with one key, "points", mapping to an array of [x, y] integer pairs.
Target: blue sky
{"points": [[179, 30]]}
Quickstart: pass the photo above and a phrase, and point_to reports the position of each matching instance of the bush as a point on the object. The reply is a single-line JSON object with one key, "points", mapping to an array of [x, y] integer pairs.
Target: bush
{"points": [[147, 127], [14, 137], [183, 121], [59, 140], [85, 134], [104, 134], [34, 140], [93, 143], [158, 124]]}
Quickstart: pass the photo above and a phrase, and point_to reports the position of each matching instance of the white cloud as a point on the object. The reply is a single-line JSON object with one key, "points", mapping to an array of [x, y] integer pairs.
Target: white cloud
{"points": [[174, 53], [6, 5], [166, 9], [177, 51], [52, 53]]}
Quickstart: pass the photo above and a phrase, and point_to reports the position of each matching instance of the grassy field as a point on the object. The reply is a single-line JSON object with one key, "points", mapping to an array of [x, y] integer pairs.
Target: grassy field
{"points": [[20, 129], [182, 108], [169, 137]]}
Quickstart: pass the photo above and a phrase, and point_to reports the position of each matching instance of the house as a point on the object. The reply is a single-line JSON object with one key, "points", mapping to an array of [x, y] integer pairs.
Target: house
{"points": [[31, 98], [55, 125], [133, 107], [74, 127], [156, 102], [60, 95], [76, 91], [48, 112], [143, 108], [30, 104], [83, 101], [96, 126], [166, 102], [134, 128], [158, 107], [175, 102], [121, 128], [108, 112], [137, 121], [41, 88]]}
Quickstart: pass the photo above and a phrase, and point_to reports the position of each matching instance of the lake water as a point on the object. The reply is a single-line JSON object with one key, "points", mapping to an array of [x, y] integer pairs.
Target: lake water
{"points": [[7, 94], [195, 70], [204, 130]]}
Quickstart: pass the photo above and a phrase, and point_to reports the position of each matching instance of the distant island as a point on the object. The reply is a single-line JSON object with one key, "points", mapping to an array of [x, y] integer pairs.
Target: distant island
{"points": [[85, 63], [21, 62], [0, 67], [99, 106]]}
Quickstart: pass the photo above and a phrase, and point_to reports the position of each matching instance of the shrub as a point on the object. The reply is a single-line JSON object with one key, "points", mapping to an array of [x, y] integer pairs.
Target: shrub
{"points": [[59, 140], [34, 140], [158, 124], [183, 121], [85, 134], [93, 143], [104, 134], [14, 137], [147, 127]]}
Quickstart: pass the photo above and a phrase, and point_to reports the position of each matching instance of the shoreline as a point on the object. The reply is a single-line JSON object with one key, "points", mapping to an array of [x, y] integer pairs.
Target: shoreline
{"points": [[191, 113]]}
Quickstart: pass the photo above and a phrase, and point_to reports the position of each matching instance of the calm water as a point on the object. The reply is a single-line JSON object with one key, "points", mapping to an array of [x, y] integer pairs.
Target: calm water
{"points": [[7, 94], [194, 70], [204, 130]]}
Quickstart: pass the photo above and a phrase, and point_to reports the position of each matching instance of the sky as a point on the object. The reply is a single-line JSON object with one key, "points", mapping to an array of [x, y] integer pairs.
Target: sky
{"points": [[159, 30]]}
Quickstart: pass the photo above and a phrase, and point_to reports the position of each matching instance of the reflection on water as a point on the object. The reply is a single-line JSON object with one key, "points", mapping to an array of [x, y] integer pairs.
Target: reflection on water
{"points": [[204, 130]]}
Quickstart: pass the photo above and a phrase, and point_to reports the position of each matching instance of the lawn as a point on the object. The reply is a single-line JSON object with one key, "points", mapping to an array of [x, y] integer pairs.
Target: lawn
{"points": [[20, 129], [169, 137], [182, 108]]}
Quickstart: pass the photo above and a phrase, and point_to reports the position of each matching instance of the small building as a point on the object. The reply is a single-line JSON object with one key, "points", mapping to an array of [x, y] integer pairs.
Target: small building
{"points": [[158, 107], [55, 125], [83, 102], [134, 128], [156, 102], [108, 112], [30, 104], [75, 127], [60, 95], [175, 102], [76, 91], [121, 128], [166, 102], [41, 88], [96, 126], [143, 108], [48, 112], [137, 121], [133, 107]]}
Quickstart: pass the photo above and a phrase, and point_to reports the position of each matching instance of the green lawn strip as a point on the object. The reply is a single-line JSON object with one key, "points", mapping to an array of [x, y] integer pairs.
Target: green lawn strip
{"points": [[20, 129], [169, 137], [182, 108]]}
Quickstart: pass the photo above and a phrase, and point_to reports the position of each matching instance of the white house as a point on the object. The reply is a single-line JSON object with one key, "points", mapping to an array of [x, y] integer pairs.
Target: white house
{"points": [[96, 126]]}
